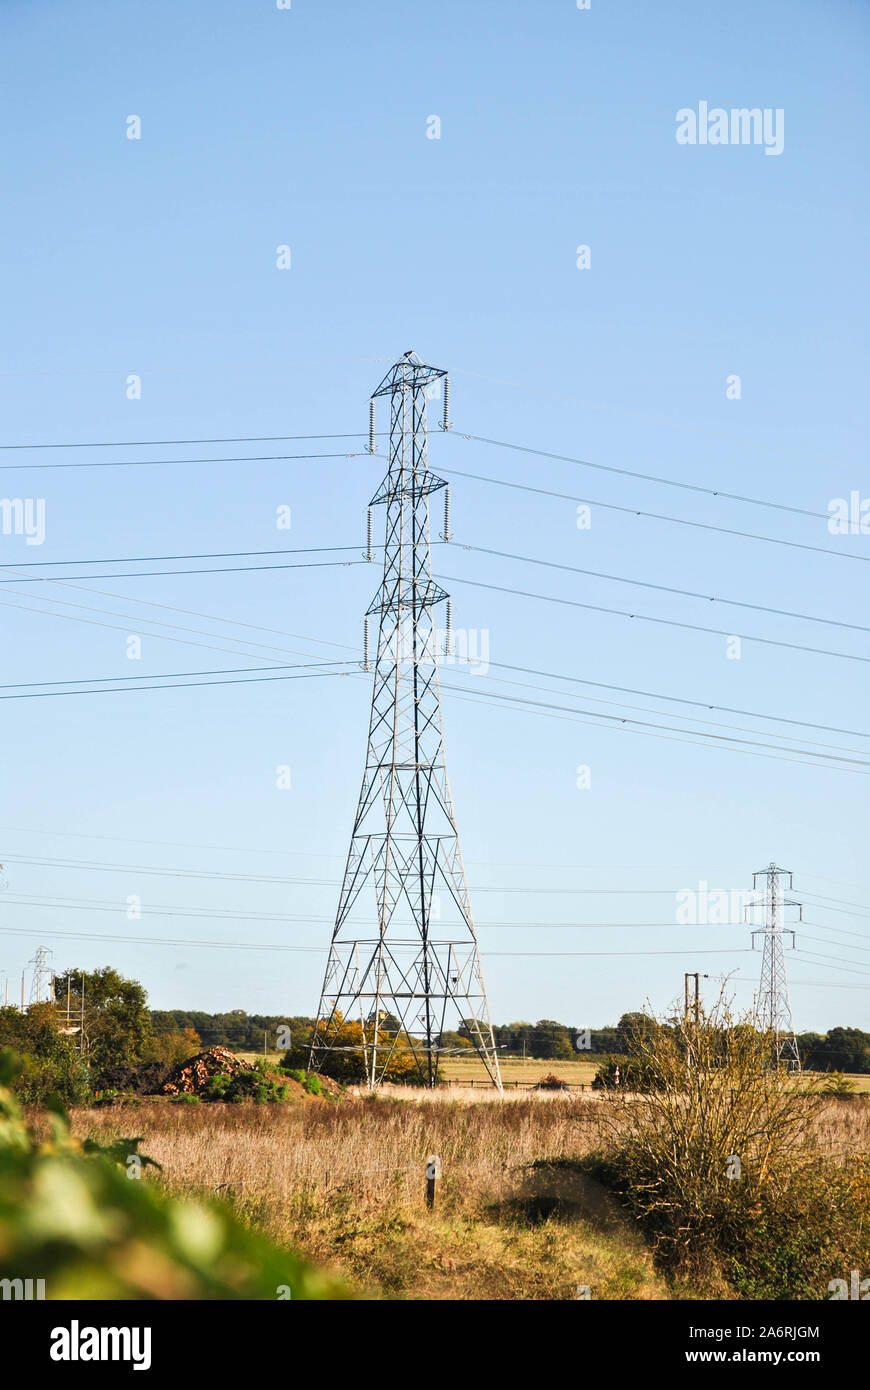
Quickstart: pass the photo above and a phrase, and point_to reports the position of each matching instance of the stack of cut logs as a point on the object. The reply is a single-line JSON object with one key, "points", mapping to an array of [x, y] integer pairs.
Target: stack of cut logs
{"points": [[193, 1076]]}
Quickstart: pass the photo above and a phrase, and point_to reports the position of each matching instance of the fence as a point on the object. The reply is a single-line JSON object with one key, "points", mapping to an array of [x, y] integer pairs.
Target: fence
{"points": [[510, 1085]]}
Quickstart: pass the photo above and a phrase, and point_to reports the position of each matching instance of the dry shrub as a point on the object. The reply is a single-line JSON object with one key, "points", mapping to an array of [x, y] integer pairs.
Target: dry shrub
{"points": [[719, 1157]]}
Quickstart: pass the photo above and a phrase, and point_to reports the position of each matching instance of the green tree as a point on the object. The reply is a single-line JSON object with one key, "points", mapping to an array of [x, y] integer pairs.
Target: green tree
{"points": [[552, 1039], [631, 1031], [843, 1049], [49, 1063], [117, 1023]]}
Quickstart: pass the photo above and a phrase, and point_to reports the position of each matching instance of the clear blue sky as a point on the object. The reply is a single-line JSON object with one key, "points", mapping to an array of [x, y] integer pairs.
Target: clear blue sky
{"points": [[262, 127]]}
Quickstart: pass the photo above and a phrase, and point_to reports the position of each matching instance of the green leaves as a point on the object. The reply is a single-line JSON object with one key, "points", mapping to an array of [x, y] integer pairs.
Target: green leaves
{"points": [[84, 1217], [121, 1151]]}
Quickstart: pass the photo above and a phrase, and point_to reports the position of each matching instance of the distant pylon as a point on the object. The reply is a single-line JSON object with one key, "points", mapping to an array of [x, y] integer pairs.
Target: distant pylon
{"points": [[41, 980], [773, 1005], [400, 986]]}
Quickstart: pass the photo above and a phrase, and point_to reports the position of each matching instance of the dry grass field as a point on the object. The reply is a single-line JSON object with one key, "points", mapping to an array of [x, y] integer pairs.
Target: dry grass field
{"points": [[344, 1183]]}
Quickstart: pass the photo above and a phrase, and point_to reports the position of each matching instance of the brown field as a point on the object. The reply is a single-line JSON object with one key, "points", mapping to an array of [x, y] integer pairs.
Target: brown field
{"points": [[344, 1183]]}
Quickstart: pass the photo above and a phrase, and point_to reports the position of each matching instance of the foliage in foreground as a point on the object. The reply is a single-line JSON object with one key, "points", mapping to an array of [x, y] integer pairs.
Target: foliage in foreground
{"points": [[716, 1158], [48, 1061], [74, 1215]]}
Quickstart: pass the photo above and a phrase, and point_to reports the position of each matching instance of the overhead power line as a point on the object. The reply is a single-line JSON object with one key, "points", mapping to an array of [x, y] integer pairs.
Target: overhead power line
{"points": [[160, 636], [655, 516], [322, 950], [646, 724], [158, 463], [290, 853], [849, 968], [148, 559], [499, 665], [650, 618], [154, 443], [681, 700], [643, 477], [704, 725], [664, 588], [22, 578], [841, 902], [159, 574], [181, 685], [228, 914], [172, 675], [841, 931], [693, 737], [812, 755]]}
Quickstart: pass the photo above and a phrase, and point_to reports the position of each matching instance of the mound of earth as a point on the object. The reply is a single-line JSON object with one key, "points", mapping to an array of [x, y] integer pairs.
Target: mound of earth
{"points": [[192, 1077]]}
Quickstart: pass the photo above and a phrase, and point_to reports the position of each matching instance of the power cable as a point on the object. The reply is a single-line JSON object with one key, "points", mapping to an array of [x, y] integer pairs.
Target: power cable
{"points": [[649, 618]]}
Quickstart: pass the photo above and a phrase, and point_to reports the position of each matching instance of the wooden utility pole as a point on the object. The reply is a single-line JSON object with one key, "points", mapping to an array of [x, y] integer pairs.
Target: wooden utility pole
{"points": [[696, 976]]}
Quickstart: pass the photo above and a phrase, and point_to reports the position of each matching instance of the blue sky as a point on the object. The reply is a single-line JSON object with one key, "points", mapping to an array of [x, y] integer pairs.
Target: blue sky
{"points": [[157, 257]]}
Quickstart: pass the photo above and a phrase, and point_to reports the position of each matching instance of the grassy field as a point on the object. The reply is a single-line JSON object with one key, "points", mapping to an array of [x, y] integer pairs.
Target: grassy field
{"points": [[344, 1183], [576, 1071]]}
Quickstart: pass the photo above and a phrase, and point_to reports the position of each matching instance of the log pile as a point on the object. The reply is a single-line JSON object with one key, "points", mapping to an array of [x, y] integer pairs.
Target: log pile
{"points": [[192, 1077]]}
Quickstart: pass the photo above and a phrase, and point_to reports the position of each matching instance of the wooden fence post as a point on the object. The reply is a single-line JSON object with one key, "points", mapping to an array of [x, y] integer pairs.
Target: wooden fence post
{"points": [[433, 1173]]}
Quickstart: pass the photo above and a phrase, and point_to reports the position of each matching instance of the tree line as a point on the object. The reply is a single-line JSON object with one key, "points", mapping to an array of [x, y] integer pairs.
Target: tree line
{"points": [[840, 1049], [109, 1033]]}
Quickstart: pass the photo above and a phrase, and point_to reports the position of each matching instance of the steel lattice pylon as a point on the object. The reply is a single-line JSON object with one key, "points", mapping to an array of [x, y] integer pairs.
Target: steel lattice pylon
{"points": [[405, 985], [773, 1004]]}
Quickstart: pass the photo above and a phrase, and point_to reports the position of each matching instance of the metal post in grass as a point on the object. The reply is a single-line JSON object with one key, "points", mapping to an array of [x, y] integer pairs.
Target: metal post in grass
{"points": [[433, 1173]]}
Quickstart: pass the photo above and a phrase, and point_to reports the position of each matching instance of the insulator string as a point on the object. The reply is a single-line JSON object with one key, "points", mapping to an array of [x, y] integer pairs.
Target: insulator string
{"points": [[445, 534]]}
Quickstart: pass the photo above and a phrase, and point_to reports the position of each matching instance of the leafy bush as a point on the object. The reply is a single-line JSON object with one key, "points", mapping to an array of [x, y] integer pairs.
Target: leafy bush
{"points": [[48, 1062], [633, 1075], [795, 1240], [246, 1085], [312, 1085], [69, 1214], [836, 1084], [106, 1097]]}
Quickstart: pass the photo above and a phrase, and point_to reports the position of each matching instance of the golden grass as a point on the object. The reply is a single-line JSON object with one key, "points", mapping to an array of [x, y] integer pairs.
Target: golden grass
{"points": [[345, 1184]]}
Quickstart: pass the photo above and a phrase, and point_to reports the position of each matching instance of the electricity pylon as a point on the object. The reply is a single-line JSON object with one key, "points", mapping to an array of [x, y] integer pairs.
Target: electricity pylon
{"points": [[404, 856], [773, 1006], [41, 980]]}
